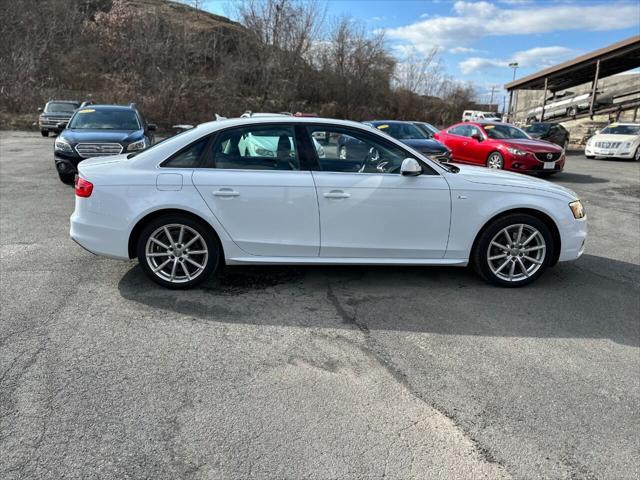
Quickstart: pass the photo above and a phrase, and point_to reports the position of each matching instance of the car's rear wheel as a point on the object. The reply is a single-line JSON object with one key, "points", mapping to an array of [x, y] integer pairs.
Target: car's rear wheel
{"points": [[177, 251], [44, 133], [513, 251], [495, 160]]}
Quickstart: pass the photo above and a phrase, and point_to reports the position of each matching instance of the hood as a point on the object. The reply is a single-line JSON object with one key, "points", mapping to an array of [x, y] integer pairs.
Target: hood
{"points": [[531, 145], [488, 176], [421, 144], [117, 136], [614, 138], [66, 115]]}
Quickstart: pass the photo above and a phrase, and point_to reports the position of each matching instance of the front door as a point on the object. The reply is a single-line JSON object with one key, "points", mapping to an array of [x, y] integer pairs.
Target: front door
{"points": [[258, 192], [369, 210]]}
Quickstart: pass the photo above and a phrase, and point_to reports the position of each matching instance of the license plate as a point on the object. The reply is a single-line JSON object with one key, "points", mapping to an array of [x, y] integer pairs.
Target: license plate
{"points": [[549, 165]]}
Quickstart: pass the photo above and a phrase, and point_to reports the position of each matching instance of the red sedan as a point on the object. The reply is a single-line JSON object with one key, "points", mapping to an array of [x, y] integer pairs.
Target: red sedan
{"points": [[503, 146]]}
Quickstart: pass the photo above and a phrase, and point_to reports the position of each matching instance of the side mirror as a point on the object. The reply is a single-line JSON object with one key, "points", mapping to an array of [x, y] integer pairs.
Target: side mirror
{"points": [[152, 127], [39, 109], [477, 137], [410, 167], [61, 125]]}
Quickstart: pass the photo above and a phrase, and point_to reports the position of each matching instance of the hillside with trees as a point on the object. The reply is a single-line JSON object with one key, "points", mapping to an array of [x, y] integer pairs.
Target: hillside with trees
{"points": [[183, 64]]}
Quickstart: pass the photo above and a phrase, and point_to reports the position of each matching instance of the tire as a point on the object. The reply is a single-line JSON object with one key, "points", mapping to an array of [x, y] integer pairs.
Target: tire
{"points": [[590, 157], [572, 111], [636, 156], [493, 271], [565, 145], [183, 268], [495, 160], [67, 178], [44, 133]]}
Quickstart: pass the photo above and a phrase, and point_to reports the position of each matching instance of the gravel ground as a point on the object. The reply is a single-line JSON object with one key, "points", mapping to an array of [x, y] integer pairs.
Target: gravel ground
{"points": [[324, 372]]}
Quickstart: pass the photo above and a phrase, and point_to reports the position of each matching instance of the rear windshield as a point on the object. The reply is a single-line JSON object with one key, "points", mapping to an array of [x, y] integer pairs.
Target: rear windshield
{"points": [[89, 118], [60, 107]]}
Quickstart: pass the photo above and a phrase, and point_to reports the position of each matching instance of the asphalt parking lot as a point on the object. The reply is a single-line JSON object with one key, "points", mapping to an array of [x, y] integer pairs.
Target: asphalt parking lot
{"points": [[322, 373]]}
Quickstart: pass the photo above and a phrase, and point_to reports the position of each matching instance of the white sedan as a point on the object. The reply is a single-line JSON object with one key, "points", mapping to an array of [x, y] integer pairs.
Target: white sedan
{"points": [[618, 140], [201, 199]]}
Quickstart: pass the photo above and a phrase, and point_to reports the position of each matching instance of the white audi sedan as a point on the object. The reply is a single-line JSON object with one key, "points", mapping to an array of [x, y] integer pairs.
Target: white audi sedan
{"points": [[188, 205]]}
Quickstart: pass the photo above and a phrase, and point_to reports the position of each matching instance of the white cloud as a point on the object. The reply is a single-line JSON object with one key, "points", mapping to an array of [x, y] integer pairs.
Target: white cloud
{"points": [[463, 50], [471, 21], [538, 57]]}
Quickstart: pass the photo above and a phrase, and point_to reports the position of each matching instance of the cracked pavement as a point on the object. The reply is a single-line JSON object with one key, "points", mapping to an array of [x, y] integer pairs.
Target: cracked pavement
{"points": [[319, 372]]}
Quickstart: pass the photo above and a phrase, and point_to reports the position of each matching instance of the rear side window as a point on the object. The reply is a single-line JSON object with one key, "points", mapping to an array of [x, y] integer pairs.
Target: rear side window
{"points": [[262, 147], [188, 157]]}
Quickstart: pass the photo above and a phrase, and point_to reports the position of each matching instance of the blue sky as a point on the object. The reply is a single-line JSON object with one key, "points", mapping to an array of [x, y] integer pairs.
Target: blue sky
{"points": [[477, 39]]}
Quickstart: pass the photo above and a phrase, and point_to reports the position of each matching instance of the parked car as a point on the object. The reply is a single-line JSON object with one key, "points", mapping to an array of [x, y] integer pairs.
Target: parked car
{"points": [[618, 140], [406, 132], [477, 115], [55, 112], [427, 128], [568, 104], [549, 131], [501, 146], [193, 202], [100, 130]]}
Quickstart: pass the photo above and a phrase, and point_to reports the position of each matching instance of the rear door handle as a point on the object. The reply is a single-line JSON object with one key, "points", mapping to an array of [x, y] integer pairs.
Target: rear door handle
{"points": [[337, 194], [226, 192]]}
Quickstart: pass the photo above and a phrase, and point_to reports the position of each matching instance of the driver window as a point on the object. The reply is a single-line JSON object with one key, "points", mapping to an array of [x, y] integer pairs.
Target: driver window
{"points": [[473, 130], [344, 150]]}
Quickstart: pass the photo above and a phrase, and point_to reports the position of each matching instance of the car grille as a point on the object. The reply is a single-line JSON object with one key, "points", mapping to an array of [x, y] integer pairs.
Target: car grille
{"points": [[86, 150], [548, 156], [607, 144], [52, 121]]}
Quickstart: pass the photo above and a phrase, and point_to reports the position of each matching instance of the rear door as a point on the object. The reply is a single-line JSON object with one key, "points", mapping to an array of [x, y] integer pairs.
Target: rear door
{"points": [[455, 140], [260, 190], [369, 210]]}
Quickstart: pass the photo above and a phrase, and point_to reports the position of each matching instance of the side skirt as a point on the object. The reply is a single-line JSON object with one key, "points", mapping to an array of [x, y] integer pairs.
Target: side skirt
{"points": [[254, 260]]}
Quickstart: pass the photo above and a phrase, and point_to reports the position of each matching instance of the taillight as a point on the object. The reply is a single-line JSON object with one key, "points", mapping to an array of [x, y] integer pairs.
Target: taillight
{"points": [[83, 187]]}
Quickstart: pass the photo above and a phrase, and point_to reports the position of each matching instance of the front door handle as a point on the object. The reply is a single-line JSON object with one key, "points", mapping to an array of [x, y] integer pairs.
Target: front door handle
{"points": [[337, 194], [226, 192]]}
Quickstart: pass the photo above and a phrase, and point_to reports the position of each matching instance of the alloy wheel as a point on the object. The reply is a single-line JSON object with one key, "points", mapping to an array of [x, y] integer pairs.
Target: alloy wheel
{"points": [[176, 253], [516, 252], [495, 161]]}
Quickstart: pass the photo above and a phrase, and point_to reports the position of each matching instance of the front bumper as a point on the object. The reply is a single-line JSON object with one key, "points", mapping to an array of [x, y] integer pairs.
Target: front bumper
{"points": [[530, 164], [66, 164], [620, 152], [573, 238]]}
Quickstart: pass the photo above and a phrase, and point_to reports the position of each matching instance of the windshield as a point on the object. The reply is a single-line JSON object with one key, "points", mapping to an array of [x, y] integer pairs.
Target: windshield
{"points": [[427, 128], [537, 128], [622, 130], [60, 107], [503, 132], [90, 118], [401, 131]]}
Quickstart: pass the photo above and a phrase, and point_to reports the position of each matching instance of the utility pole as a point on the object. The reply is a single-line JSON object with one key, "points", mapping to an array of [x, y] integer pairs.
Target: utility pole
{"points": [[493, 90], [515, 66]]}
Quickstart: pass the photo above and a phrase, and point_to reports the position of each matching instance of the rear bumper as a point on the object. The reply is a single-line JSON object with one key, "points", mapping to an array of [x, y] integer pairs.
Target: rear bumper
{"points": [[90, 231]]}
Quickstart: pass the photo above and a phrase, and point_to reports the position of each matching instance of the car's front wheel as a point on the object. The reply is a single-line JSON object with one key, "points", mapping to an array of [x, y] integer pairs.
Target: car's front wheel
{"points": [[513, 251], [177, 251], [495, 160], [44, 133], [67, 178]]}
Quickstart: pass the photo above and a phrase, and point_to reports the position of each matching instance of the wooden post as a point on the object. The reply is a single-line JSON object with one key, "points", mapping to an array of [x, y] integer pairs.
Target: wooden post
{"points": [[544, 98], [593, 89]]}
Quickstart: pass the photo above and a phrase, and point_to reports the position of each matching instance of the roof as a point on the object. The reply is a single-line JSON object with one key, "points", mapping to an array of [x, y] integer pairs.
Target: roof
{"points": [[75, 102], [616, 58], [109, 107]]}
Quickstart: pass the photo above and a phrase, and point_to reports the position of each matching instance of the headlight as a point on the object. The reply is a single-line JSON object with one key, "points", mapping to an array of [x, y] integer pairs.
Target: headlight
{"points": [[62, 145], [263, 152], [515, 151], [626, 145], [577, 209], [139, 145]]}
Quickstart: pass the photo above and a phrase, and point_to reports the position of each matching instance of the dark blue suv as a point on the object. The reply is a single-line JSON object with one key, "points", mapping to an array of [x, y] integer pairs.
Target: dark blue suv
{"points": [[99, 130]]}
